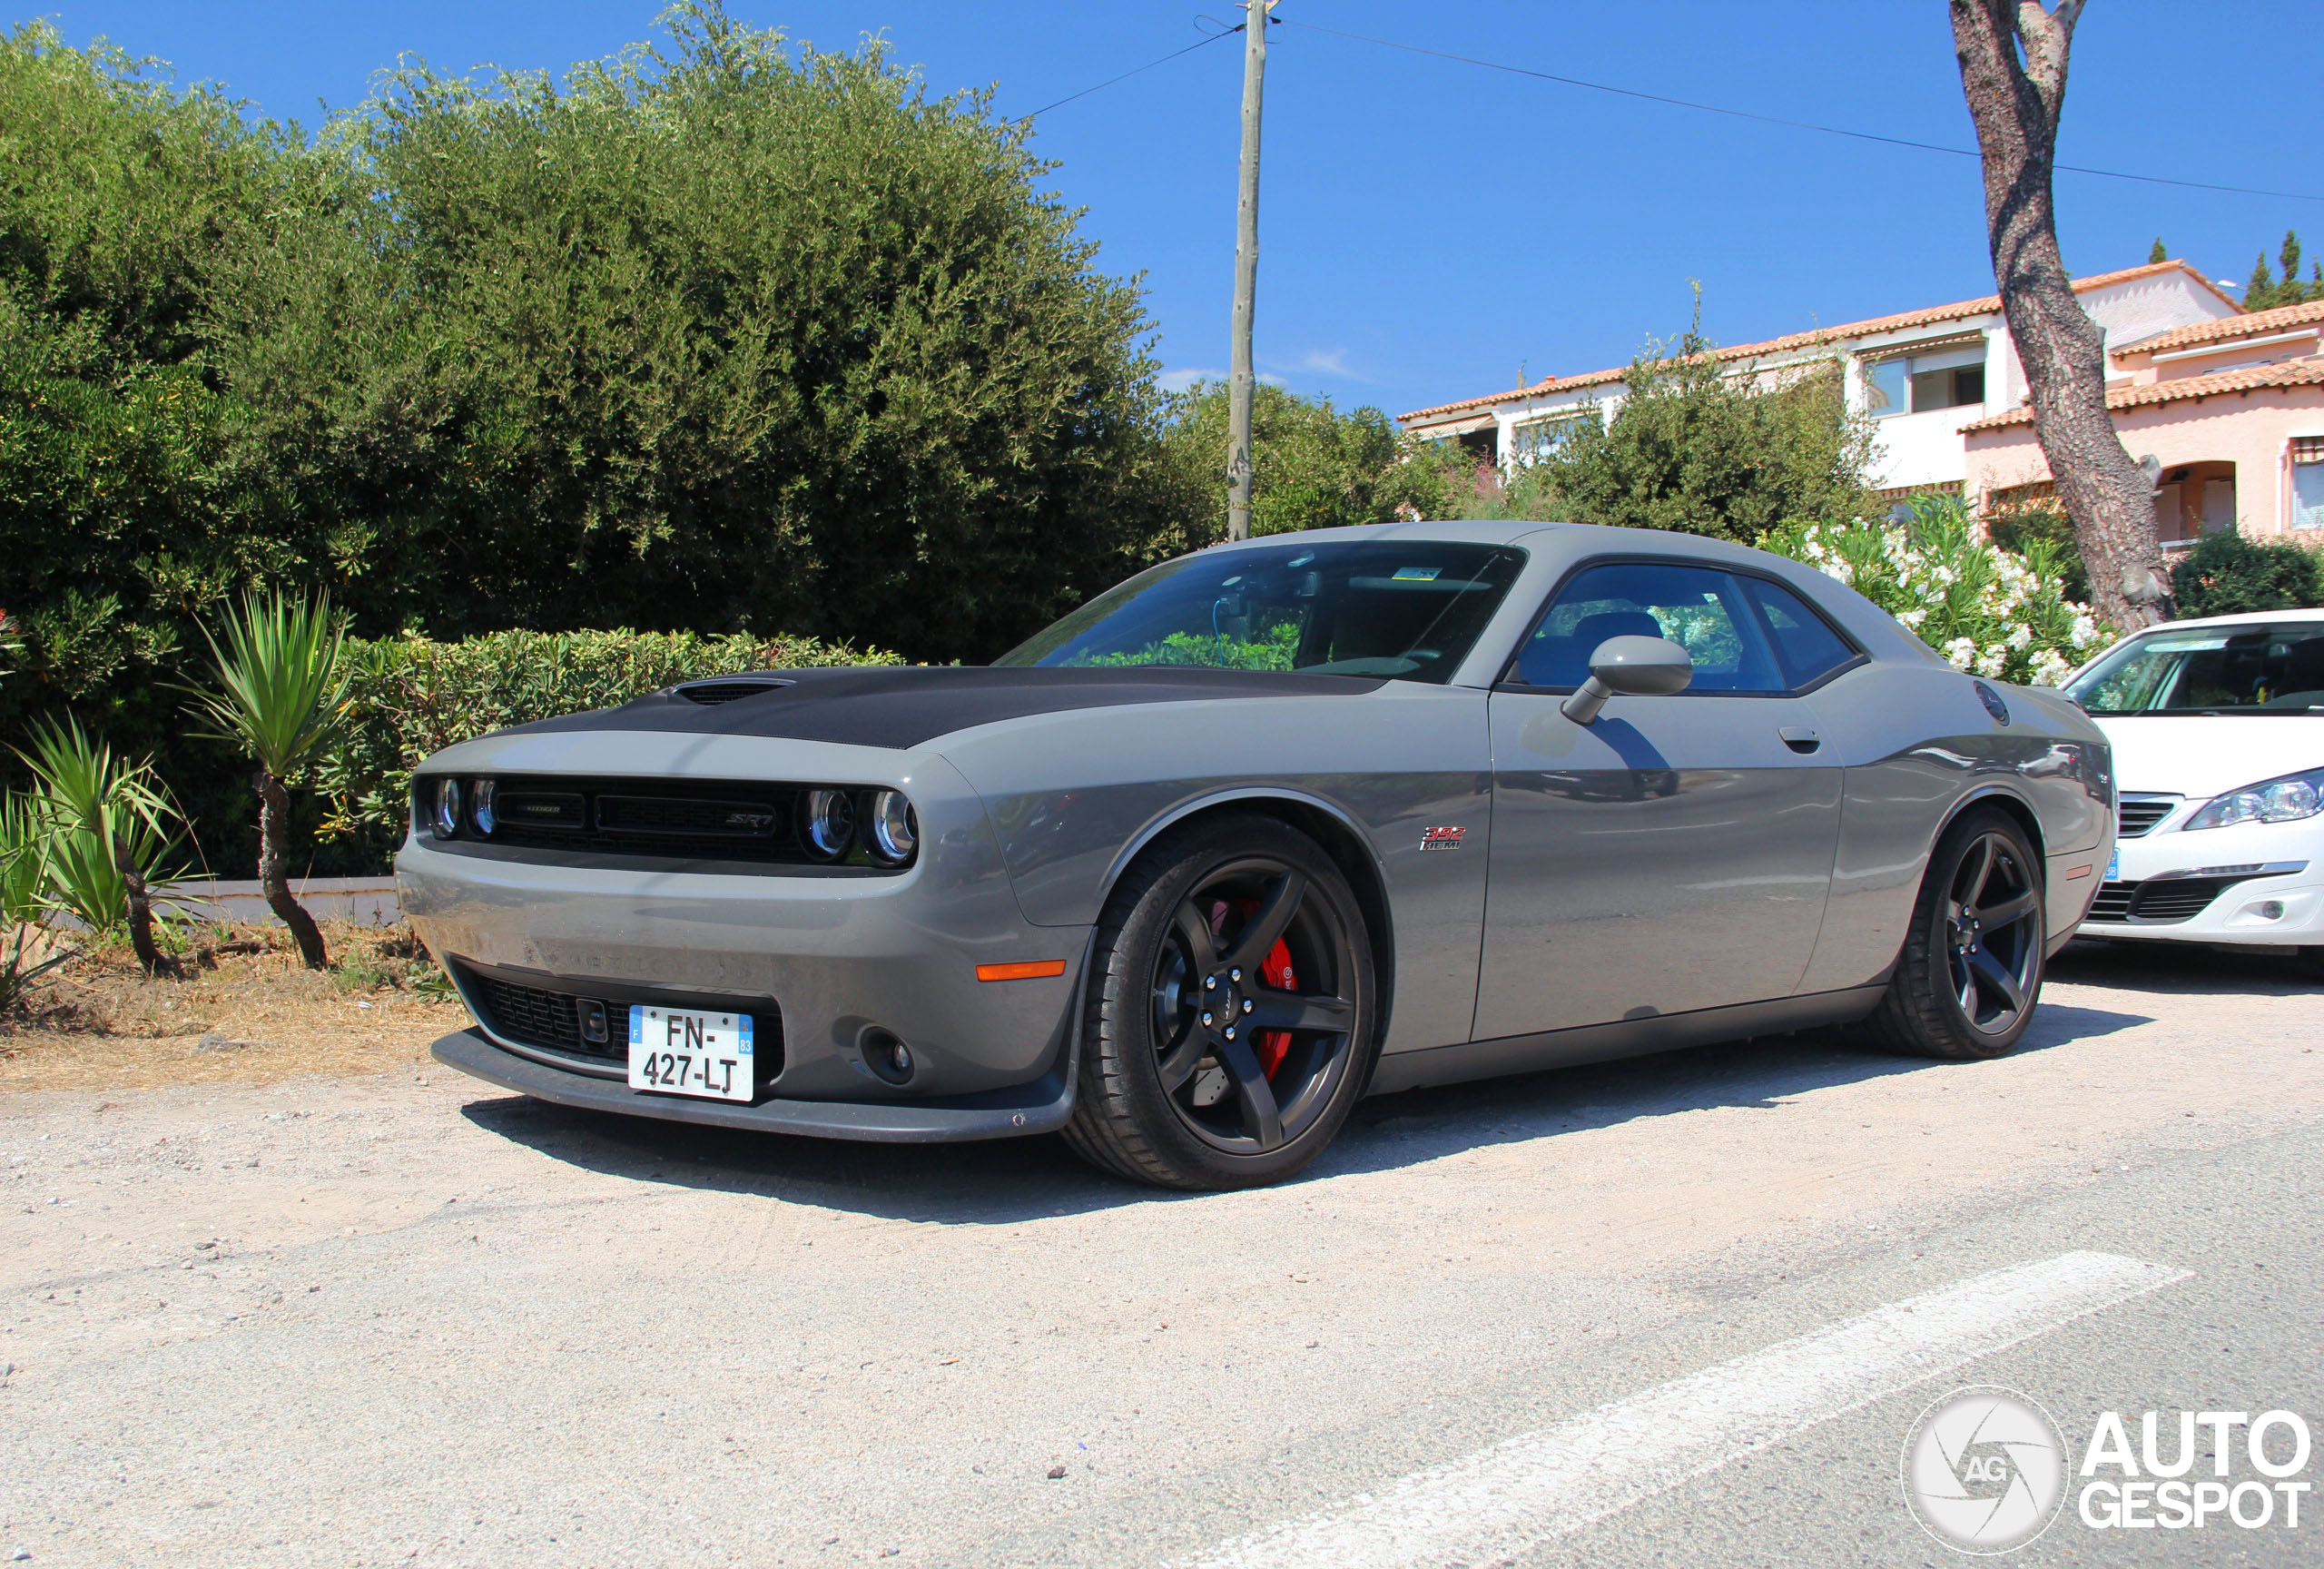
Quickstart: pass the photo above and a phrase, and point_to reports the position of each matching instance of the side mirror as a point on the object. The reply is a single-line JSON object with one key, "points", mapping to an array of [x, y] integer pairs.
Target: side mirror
{"points": [[1638, 666]]}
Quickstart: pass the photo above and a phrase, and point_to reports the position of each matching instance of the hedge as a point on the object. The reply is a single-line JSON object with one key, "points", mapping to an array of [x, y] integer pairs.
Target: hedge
{"points": [[413, 696]]}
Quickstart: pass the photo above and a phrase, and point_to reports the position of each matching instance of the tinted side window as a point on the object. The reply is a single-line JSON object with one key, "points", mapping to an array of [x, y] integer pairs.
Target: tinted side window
{"points": [[1699, 608], [1805, 645]]}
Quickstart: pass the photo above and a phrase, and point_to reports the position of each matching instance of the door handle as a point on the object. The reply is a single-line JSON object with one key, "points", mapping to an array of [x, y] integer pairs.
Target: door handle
{"points": [[1800, 739]]}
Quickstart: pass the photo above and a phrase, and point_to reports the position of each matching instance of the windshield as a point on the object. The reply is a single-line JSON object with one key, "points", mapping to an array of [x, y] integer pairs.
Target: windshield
{"points": [[1404, 610], [2272, 668]]}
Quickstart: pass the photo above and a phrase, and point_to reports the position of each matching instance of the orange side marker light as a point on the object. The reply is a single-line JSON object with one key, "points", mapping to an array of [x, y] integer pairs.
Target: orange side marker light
{"points": [[1032, 970]]}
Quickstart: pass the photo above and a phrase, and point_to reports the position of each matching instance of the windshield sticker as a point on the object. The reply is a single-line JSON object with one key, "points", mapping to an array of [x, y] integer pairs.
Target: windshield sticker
{"points": [[2183, 645], [1418, 573]]}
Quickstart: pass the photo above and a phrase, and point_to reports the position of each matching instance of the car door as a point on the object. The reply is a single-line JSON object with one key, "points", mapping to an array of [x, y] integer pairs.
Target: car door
{"points": [[1675, 855]]}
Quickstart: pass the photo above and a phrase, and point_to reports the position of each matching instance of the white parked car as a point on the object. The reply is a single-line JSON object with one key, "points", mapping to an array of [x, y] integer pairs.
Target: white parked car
{"points": [[2218, 732]]}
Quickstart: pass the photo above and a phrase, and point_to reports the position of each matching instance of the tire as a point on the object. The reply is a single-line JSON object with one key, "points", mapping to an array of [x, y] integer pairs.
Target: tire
{"points": [[1242, 1082], [1970, 974]]}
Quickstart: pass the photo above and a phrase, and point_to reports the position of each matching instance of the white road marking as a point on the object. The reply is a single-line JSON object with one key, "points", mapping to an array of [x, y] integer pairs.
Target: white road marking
{"points": [[1525, 1490]]}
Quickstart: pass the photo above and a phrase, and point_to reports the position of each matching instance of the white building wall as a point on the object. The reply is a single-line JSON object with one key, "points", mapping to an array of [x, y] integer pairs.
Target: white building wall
{"points": [[1918, 449]]}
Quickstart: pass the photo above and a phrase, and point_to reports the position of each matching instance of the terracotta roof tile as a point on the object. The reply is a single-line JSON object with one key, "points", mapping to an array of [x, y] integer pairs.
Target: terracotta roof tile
{"points": [[1899, 323], [2304, 373], [2256, 324]]}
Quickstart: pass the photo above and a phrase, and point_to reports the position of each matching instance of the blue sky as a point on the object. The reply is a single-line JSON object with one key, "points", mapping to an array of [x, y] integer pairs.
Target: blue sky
{"points": [[1430, 229]]}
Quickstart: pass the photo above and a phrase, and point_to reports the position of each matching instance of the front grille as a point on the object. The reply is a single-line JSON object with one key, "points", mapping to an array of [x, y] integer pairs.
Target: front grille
{"points": [[2178, 898], [665, 820], [2159, 902], [549, 1019], [667, 817], [531, 1017], [2137, 814]]}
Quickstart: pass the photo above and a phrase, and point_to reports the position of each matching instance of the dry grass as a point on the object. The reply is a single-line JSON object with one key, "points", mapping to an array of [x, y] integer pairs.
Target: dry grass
{"points": [[241, 1009]]}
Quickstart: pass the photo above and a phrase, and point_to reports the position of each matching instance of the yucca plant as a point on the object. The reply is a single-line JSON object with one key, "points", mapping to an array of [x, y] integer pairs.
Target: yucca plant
{"points": [[24, 867], [105, 826], [24, 861], [282, 691]]}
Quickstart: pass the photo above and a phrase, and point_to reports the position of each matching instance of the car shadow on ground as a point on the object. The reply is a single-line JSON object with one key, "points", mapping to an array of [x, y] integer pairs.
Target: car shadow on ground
{"points": [[2187, 969], [1009, 1180]]}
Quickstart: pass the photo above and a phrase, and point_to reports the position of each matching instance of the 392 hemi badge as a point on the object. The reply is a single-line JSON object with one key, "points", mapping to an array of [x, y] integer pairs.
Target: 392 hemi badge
{"points": [[1447, 838]]}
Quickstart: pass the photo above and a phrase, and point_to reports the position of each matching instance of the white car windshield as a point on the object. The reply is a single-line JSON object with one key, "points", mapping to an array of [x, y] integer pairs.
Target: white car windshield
{"points": [[2264, 667], [1408, 611]]}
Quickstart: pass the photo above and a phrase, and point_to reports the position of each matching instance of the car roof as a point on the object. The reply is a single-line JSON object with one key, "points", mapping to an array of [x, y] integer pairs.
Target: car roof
{"points": [[2241, 618], [1476, 531]]}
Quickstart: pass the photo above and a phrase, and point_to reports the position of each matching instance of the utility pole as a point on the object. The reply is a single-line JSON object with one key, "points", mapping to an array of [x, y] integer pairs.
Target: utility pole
{"points": [[1247, 274]]}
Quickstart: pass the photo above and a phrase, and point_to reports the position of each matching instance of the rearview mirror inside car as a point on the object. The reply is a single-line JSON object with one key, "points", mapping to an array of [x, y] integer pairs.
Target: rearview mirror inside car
{"points": [[1637, 667]]}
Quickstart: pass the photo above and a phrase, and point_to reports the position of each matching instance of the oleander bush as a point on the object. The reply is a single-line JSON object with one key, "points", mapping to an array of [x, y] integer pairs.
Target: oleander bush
{"points": [[410, 696], [1989, 611]]}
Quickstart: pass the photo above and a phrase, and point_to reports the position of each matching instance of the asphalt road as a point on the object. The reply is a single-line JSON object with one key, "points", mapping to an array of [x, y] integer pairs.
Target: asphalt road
{"points": [[360, 1321]]}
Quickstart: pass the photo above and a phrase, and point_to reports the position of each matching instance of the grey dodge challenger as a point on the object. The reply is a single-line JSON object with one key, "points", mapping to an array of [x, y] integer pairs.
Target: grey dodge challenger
{"points": [[1259, 832]]}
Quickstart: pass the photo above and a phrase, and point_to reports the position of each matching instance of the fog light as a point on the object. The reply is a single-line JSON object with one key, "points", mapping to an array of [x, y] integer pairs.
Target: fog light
{"points": [[827, 824], [895, 831], [2273, 910], [889, 1059], [592, 1022], [448, 808]]}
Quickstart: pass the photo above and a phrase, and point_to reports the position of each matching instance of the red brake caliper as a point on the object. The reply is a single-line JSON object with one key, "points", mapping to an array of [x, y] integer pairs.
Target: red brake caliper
{"points": [[1270, 1046], [1273, 1043]]}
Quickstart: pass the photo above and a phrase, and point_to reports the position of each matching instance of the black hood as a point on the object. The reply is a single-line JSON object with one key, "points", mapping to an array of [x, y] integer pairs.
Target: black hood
{"points": [[903, 706]]}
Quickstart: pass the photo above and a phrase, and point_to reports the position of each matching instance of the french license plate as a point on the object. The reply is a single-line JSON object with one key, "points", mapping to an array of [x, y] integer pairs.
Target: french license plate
{"points": [[2115, 867], [681, 1051]]}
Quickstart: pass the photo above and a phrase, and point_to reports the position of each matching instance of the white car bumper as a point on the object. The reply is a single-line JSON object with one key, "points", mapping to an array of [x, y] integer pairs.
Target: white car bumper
{"points": [[2257, 882]]}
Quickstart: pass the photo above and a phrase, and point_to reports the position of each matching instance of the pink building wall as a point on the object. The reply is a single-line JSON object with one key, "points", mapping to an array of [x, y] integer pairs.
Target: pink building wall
{"points": [[2252, 430]]}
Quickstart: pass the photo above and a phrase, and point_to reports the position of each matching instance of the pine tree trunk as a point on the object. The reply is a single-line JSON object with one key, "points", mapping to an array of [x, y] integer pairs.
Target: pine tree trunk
{"points": [[2107, 496], [273, 857]]}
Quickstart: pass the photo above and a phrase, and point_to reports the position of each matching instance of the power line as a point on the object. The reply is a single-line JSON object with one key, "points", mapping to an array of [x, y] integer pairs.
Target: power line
{"points": [[1126, 75], [1779, 120]]}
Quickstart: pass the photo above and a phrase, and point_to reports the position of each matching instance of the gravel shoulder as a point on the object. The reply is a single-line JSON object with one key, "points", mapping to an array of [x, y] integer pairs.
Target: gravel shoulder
{"points": [[402, 1317]]}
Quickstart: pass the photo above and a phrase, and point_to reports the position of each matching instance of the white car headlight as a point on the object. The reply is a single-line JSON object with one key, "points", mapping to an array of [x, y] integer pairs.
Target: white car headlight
{"points": [[2285, 800]]}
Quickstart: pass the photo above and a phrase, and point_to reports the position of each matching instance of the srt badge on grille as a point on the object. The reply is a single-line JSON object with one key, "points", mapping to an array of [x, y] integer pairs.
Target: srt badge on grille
{"points": [[754, 821], [1446, 838]]}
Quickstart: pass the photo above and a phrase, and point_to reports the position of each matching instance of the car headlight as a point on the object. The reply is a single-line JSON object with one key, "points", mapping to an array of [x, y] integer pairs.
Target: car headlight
{"points": [[2285, 800], [895, 831], [827, 824], [448, 808], [480, 808]]}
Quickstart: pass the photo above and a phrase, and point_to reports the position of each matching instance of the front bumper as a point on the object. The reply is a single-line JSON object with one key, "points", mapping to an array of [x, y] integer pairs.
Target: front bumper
{"points": [[1039, 1107], [826, 965], [2257, 882]]}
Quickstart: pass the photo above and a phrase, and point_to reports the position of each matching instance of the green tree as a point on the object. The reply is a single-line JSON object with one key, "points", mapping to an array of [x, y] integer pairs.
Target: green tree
{"points": [[2155, 252], [723, 335], [719, 334], [2266, 291], [1313, 465], [2226, 574], [1704, 447]]}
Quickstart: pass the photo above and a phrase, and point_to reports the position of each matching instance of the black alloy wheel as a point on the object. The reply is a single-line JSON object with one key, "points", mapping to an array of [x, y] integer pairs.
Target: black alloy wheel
{"points": [[1970, 972], [1992, 912], [1230, 1018]]}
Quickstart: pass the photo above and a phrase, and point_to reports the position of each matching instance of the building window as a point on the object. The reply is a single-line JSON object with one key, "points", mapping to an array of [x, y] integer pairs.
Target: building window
{"points": [[1533, 438], [2308, 482], [1916, 383]]}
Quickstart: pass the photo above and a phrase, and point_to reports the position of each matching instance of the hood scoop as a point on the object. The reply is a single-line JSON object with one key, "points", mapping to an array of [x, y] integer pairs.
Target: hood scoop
{"points": [[728, 689]]}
